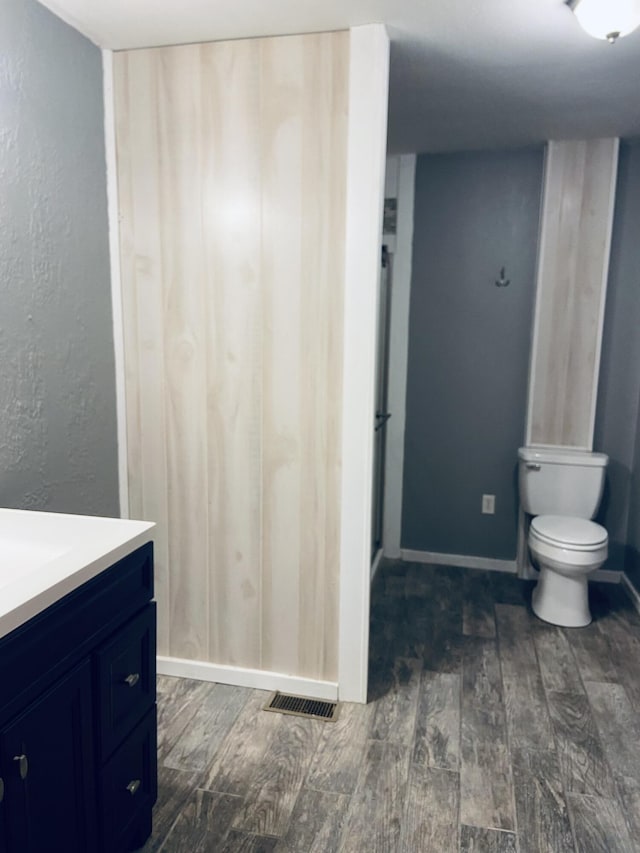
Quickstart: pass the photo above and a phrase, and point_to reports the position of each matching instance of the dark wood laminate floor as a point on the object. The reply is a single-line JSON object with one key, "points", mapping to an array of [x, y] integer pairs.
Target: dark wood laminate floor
{"points": [[486, 730]]}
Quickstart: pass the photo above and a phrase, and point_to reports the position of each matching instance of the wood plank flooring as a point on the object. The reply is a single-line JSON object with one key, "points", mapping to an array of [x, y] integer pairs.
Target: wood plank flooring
{"points": [[486, 730]]}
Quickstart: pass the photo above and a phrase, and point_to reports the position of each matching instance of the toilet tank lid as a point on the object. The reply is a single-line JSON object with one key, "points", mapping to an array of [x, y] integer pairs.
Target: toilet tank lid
{"points": [[563, 456]]}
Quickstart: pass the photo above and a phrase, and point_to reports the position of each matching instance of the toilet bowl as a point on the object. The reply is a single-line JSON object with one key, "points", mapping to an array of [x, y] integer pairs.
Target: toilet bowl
{"points": [[567, 550], [560, 491]]}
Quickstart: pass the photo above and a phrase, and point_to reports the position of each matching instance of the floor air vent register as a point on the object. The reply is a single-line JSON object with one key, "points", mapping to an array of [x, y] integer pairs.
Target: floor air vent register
{"points": [[301, 706]]}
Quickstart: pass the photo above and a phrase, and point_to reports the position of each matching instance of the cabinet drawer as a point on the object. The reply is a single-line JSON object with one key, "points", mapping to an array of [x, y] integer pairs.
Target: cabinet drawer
{"points": [[126, 679], [35, 655], [129, 788]]}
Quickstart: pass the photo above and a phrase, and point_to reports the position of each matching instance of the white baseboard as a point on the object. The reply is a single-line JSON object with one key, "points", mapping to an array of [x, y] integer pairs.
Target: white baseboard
{"points": [[240, 677], [631, 591], [604, 576], [463, 561], [376, 563]]}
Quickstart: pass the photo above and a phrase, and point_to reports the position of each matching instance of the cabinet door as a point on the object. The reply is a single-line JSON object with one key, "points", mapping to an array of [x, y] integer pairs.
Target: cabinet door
{"points": [[46, 755], [3, 840]]}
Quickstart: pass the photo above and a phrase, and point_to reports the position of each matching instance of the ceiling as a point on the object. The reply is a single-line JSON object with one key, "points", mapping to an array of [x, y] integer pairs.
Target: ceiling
{"points": [[464, 74]]}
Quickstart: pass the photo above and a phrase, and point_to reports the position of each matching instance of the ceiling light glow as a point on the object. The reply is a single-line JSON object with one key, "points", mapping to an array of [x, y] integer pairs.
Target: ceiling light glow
{"points": [[607, 19]]}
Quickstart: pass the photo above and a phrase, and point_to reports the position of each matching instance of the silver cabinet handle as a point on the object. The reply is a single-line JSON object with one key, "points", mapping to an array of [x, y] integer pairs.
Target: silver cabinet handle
{"points": [[23, 765], [133, 786], [1, 789], [533, 466], [132, 679]]}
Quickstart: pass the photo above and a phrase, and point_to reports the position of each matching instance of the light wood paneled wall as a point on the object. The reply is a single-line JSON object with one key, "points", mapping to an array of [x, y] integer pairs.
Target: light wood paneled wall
{"points": [[573, 265], [231, 177]]}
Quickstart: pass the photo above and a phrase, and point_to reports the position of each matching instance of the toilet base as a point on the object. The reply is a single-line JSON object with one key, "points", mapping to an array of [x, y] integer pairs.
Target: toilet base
{"points": [[562, 600]]}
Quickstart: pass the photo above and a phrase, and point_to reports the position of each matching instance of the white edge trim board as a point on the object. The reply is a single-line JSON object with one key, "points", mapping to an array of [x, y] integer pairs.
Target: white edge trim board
{"points": [[463, 561], [631, 591], [257, 679], [542, 248], [116, 281], [376, 563], [615, 145], [401, 264], [366, 153]]}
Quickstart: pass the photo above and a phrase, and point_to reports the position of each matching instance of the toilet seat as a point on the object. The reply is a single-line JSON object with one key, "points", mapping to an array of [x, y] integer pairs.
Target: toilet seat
{"points": [[568, 533]]}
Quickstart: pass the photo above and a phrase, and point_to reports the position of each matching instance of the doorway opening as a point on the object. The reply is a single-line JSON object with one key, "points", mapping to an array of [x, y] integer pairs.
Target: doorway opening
{"points": [[382, 414]]}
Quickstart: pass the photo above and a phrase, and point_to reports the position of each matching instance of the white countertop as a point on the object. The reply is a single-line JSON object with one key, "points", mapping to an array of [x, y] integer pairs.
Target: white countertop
{"points": [[45, 555]]}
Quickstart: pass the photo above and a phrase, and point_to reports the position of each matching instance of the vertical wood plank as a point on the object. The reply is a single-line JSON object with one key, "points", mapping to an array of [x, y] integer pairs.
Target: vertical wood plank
{"points": [[323, 179], [243, 749], [619, 729], [375, 816], [431, 813], [140, 213], [558, 666], [303, 113], [541, 810], [395, 711], [281, 106], [583, 764], [203, 823], [437, 731], [481, 677], [231, 174], [175, 789], [486, 785], [181, 144], [528, 720], [277, 781], [336, 762], [214, 715]]}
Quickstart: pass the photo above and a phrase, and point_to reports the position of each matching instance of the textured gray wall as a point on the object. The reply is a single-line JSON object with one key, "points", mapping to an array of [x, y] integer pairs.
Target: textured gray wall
{"points": [[469, 348], [58, 446], [619, 385]]}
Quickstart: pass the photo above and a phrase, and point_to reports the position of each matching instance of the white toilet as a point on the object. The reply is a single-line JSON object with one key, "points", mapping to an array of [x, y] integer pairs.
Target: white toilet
{"points": [[562, 489]]}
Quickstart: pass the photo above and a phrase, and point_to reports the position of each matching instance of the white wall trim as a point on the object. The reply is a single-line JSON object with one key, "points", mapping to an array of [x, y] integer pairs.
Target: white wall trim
{"points": [[603, 287], [398, 356], [256, 678], [366, 152], [463, 561], [606, 576], [542, 248], [116, 280], [631, 591], [376, 563]]}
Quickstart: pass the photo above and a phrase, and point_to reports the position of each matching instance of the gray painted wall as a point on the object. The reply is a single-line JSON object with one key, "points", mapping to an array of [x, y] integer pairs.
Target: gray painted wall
{"points": [[619, 385], [632, 565], [469, 348], [58, 445]]}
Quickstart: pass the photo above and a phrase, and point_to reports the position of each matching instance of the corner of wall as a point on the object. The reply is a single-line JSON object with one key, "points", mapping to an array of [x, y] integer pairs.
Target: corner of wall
{"points": [[398, 356], [116, 284]]}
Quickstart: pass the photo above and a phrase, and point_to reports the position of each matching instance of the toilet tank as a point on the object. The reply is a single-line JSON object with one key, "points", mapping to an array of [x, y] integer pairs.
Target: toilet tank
{"points": [[558, 481]]}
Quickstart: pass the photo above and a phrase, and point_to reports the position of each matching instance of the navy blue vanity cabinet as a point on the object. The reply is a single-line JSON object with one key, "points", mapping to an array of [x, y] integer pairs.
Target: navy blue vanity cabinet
{"points": [[3, 844], [78, 718], [48, 768]]}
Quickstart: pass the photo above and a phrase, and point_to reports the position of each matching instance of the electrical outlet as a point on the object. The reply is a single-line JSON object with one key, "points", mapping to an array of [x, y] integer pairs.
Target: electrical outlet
{"points": [[488, 504]]}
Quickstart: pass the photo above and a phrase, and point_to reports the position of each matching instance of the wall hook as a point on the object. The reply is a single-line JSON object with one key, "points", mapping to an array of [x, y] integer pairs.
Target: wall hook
{"points": [[502, 281]]}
